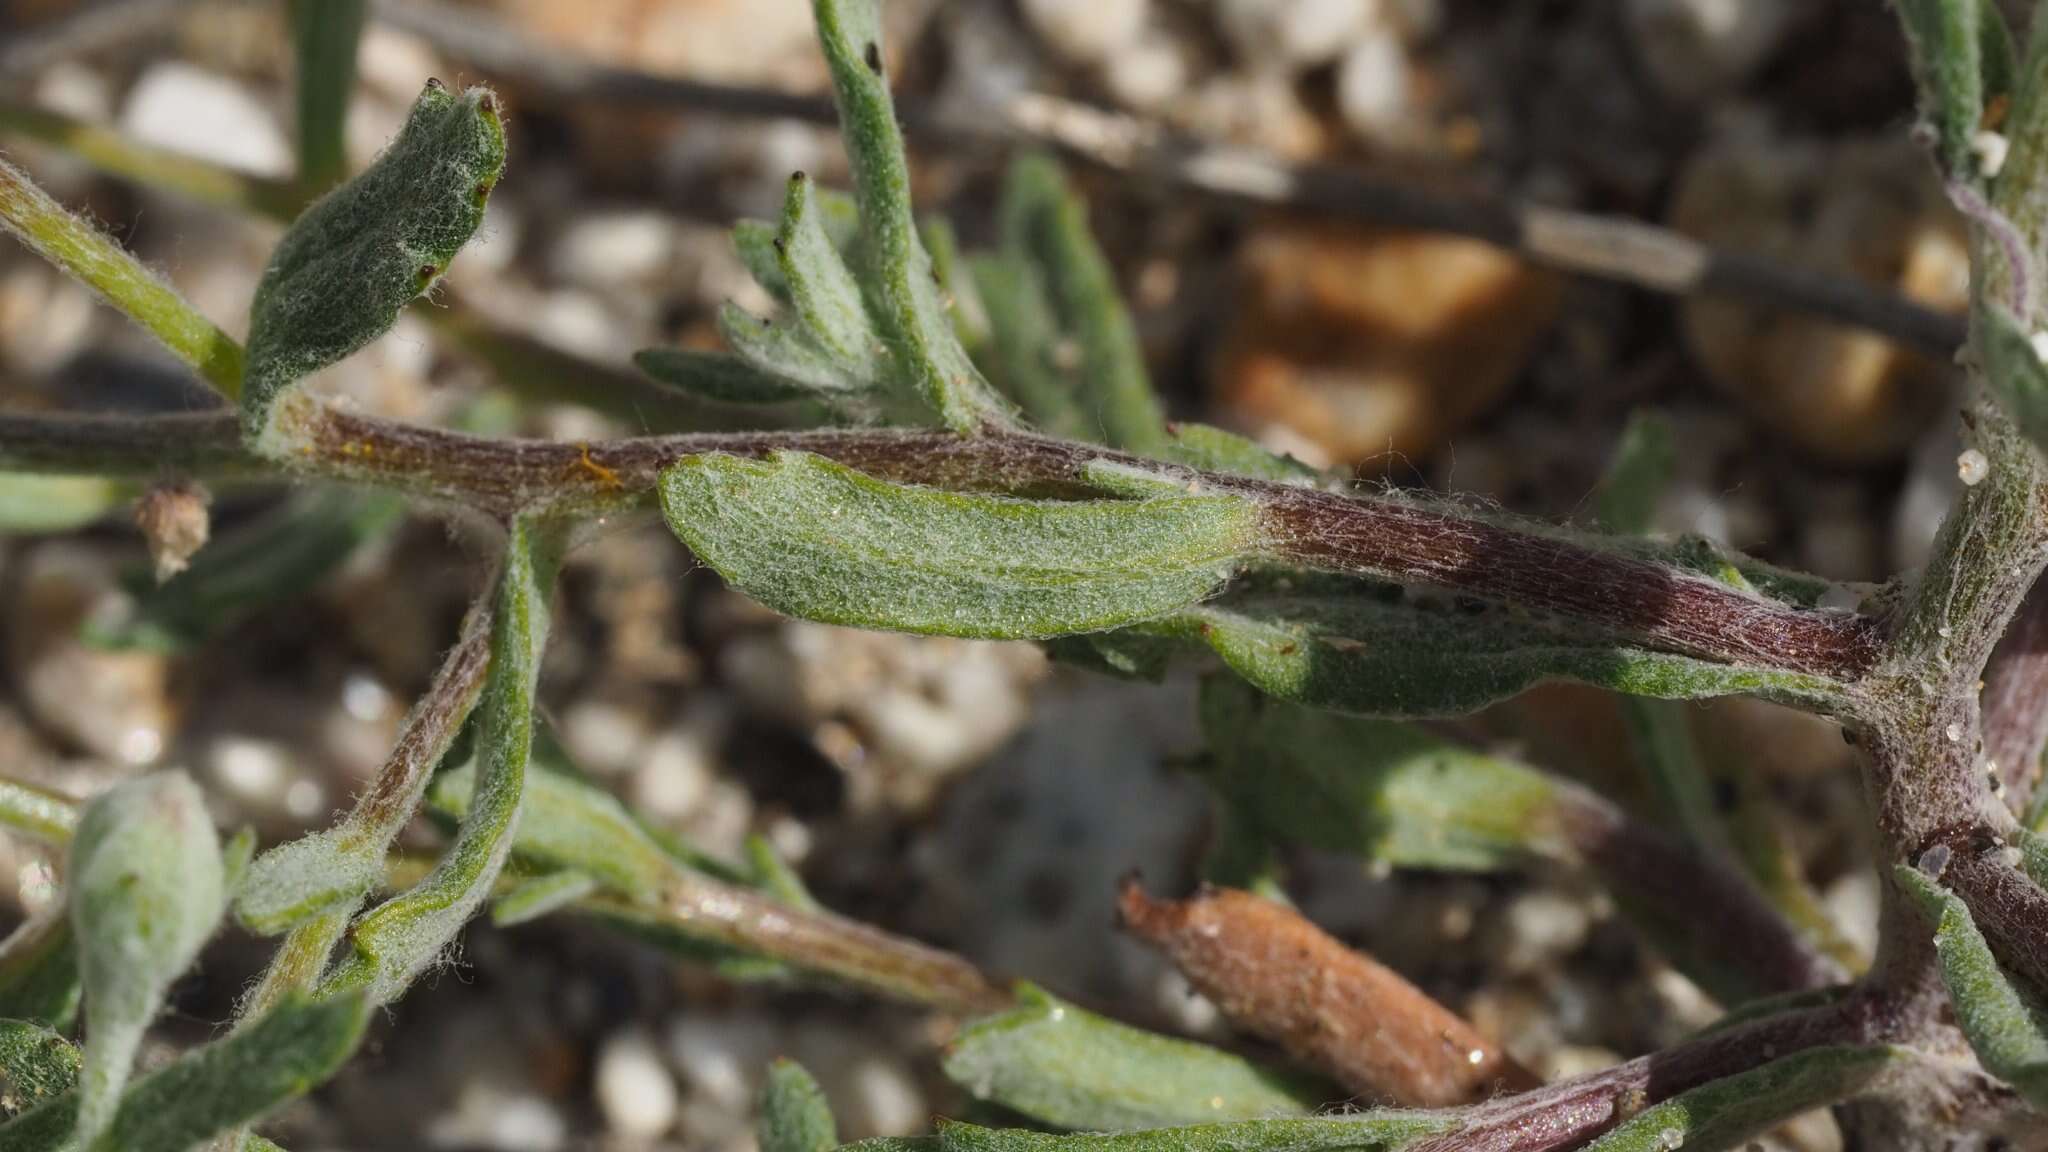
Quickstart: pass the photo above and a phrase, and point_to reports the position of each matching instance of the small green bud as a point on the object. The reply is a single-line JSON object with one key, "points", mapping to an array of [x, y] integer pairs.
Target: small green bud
{"points": [[146, 890]]}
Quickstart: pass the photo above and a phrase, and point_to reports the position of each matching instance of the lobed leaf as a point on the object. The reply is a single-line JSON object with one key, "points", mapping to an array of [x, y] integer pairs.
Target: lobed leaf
{"points": [[235, 1080], [814, 539], [36, 1064], [401, 937], [1374, 788], [145, 892], [1729, 1113], [1381, 1130], [2007, 1030], [794, 1114], [1371, 657], [906, 306], [347, 267], [1072, 1069], [275, 559]]}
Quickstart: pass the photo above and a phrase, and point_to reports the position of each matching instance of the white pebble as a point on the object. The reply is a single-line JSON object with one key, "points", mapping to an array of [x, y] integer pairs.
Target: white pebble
{"points": [[720, 1058], [1372, 89], [604, 738], [1087, 31], [203, 114], [1295, 34], [886, 1100], [1149, 75], [1972, 467], [634, 1089], [2039, 342], [250, 769], [1990, 149], [675, 774], [614, 248]]}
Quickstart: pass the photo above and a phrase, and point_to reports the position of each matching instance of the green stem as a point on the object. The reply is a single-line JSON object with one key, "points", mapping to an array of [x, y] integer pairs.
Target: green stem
{"points": [[37, 812], [93, 258], [325, 33]]}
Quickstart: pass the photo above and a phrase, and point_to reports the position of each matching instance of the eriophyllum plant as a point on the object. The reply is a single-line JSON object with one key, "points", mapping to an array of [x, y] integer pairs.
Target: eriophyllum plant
{"points": [[958, 470]]}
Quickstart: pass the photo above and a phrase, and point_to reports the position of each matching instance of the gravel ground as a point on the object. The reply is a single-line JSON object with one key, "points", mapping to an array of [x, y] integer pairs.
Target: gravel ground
{"points": [[969, 793]]}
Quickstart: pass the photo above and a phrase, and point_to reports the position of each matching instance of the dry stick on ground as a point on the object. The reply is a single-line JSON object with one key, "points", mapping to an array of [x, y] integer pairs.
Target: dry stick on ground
{"points": [[1617, 249], [1274, 973]]}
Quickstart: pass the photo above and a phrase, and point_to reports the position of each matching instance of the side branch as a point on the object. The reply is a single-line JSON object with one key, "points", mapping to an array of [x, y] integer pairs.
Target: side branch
{"points": [[1640, 600]]}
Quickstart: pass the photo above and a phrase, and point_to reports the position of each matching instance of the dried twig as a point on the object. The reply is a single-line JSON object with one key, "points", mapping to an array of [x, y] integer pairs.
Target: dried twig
{"points": [[1629, 251], [1276, 975]]}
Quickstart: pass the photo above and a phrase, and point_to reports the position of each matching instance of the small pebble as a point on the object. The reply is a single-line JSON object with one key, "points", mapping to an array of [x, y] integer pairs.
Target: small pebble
{"points": [[204, 114], [1087, 31], [634, 1089]]}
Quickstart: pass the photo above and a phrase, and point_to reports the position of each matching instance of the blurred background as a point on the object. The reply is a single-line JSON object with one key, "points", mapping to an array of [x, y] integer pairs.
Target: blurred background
{"points": [[969, 794]]}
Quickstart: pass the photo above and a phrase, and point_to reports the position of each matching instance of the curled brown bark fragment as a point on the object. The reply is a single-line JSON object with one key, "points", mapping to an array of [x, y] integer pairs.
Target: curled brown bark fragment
{"points": [[1275, 974]]}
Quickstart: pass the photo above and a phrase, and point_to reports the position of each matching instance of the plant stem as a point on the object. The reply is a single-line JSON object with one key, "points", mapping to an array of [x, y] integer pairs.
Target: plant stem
{"points": [[118, 155], [325, 33], [1641, 600], [37, 812], [2015, 702], [94, 259]]}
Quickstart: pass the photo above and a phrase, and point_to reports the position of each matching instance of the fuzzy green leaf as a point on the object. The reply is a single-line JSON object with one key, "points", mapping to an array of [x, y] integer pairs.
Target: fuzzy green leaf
{"points": [[907, 310], [1374, 788], [1048, 223], [773, 875], [400, 938], [1638, 475], [812, 538], [2015, 370], [1947, 50], [32, 504], [571, 825], [145, 894], [1729, 1113], [275, 559], [1024, 351], [347, 267], [235, 1080], [324, 35], [36, 1064], [39, 978], [1072, 1069], [541, 896], [2007, 1030], [717, 376], [786, 350], [1354, 654], [794, 1114], [1215, 450], [1384, 1130], [822, 291]]}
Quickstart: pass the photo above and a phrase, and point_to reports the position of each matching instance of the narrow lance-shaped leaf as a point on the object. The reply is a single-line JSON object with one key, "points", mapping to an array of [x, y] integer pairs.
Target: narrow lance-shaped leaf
{"points": [[815, 539], [275, 559], [324, 36], [567, 824], [1946, 41], [2014, 368], [794, 1114], [39, 977], [347, 267], [235, 1080], [1024, 343], [1072, 1069], [95, 260], [1045, 220], [36, 1064], [145, 894], [1381, 1130], [33, 504], [541, 896], [1729, 1113], [2008, 1032], [1350, 652], [908, 313], [400, 938]]}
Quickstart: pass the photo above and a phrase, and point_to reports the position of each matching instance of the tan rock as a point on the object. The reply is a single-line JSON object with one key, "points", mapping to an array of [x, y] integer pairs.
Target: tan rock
{"points": [[1361, 343], [1869, 209]]}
